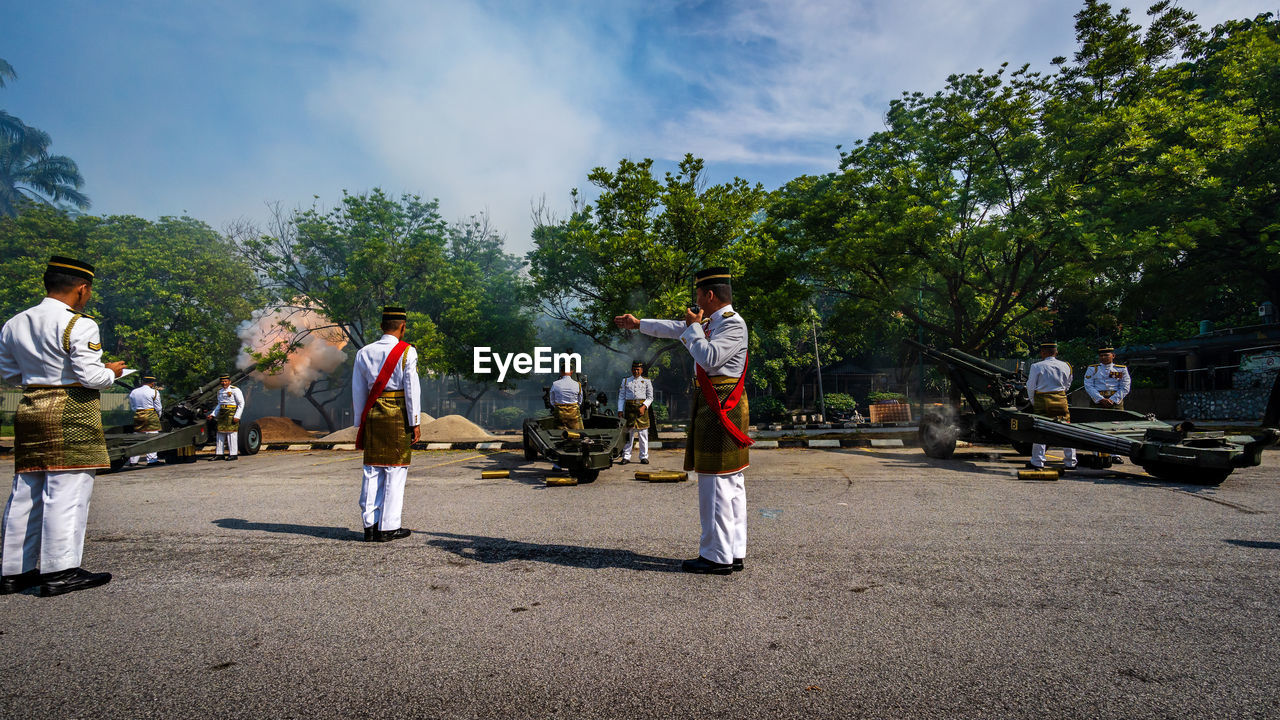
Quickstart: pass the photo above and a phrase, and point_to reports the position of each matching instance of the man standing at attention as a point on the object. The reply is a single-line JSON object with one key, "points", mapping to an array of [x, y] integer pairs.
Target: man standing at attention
{"points": [[565, 397], [1107, 383], [1047, 385], [144, 401], [387, 398], [716, 337], [634, 398], [55, 352], [228, 410]]}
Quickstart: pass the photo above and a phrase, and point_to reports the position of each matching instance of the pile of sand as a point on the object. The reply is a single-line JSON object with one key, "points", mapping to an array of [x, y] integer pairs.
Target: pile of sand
{"points": [[348, 435], [282, 430], [454, 428]]}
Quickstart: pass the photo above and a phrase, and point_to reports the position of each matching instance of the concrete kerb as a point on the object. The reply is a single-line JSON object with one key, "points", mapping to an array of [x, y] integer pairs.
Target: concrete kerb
{"points": [[850, 440]]}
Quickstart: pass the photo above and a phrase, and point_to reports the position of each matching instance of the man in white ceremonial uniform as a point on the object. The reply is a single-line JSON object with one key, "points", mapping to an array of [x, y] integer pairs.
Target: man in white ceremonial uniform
{"points": [[387, 398], [1047, 385], [145, 403], [1107, 383], [565, 397], [227, 411], [716, 450], [55, 352], [634, 398]]}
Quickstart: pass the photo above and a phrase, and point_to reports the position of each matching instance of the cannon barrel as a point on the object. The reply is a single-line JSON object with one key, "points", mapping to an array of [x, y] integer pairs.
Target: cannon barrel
{"points": [[190, 409], [963, 359]]}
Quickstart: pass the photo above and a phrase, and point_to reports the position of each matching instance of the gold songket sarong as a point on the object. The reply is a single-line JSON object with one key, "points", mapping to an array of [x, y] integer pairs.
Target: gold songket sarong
{"points": [[148, 420], [1107, 394], [636, 420], [388, 436], [568, 416], [59, 428], [1053, 405], [710, 449], [227, 421]]}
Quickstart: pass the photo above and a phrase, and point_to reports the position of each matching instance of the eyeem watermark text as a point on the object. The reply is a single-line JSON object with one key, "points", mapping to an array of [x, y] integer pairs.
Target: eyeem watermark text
{"points": [[542, 362]]}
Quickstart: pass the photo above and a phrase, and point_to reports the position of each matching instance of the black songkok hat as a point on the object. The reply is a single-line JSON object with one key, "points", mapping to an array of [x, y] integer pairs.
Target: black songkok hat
{"points": [[68, 266], [712, 276], [1106, 350], [148, 379], [637, 364], [1049, 345], [223, 377], [391, 312]]}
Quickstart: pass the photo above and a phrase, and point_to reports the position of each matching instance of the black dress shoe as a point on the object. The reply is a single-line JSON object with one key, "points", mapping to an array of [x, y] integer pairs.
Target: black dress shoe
{"points": [[65, 581], [233, 457], [371, 533], [703, 566], [10, 584], [739, 564], [215, 458], [1035, 467], [644, 461], [623, 461], [397, 534]]}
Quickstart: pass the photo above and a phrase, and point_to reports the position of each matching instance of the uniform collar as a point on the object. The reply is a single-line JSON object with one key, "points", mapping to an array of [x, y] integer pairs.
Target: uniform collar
{"points": [[388, 338], [55, 302], [720, 313]]}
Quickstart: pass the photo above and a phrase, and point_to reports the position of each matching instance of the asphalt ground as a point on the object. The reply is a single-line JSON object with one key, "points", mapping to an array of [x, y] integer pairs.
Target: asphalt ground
{"points": [[878, 584]]}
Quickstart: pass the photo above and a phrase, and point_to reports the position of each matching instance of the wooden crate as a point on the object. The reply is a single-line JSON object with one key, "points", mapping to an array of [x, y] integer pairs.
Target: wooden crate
{"points": [[890, 412]]}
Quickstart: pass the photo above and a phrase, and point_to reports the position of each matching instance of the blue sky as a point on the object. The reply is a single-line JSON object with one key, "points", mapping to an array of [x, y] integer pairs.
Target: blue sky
{"points": [[218, 109]]}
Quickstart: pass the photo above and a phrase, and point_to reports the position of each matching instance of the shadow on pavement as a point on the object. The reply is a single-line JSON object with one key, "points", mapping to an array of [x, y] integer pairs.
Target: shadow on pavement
{"points": [[1260, 544], [497, 550], [320, 531]]}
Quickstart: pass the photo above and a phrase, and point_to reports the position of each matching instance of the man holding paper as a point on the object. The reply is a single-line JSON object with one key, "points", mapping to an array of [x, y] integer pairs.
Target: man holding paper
{"points": [[716, 337], [55, 352], [386, 397]]}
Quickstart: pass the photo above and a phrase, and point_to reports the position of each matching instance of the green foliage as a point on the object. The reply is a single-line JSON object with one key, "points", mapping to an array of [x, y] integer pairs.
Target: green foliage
{"points": [[839, 402], [168, 296], [660, 412], [507, 418], [767, 409], [879, 396]]}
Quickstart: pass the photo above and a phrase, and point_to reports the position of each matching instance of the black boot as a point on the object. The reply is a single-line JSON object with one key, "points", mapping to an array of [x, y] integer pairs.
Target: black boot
{"points": [[371, 533]]}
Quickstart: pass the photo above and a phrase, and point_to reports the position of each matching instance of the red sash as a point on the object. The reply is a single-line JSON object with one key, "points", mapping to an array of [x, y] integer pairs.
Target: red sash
{"points": [[712, 399], [380, 384]]}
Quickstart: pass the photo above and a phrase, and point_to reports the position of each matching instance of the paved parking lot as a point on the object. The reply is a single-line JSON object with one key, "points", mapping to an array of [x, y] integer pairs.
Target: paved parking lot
{"points": [[878, 584]]}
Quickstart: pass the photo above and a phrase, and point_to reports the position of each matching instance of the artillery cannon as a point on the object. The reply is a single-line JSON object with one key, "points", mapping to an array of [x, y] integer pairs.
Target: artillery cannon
{"points": [[184, 429], [583, 453], [1168, 451]]}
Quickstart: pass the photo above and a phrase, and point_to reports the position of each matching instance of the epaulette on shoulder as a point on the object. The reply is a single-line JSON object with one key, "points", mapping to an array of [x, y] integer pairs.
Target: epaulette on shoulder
{"points": [[729, 314], [1121, 366]]}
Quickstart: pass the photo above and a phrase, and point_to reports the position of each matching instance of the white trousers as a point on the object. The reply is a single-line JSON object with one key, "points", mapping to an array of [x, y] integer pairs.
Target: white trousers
{"points": [[382, 496], [231, 439], [151, 457], [722, 507], [1037, 455], [644, 444], [44, 521]]}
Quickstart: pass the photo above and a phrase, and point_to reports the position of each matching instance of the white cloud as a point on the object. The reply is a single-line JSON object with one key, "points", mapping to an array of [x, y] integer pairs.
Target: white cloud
{"points": [[482, 111]]}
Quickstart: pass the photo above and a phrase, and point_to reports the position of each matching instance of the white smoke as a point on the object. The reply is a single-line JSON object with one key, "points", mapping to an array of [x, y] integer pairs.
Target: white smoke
{"points": [[317, 346]]}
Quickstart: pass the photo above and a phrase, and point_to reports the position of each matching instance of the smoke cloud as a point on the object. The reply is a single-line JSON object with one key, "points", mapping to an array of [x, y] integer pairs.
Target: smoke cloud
{"points": [[318, 347]]}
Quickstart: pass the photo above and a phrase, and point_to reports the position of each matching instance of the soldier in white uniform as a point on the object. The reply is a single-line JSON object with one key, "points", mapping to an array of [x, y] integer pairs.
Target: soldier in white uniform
{"points": [[716, 337], [55, 352], [227, 412], [145, 403], [1107, 383], [1047, 385], [634, 398], [565, 397], [387, 398]]}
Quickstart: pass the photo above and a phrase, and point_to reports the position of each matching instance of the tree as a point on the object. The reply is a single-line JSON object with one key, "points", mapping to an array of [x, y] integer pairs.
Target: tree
{"points": [[169, 293], [28, 173]]}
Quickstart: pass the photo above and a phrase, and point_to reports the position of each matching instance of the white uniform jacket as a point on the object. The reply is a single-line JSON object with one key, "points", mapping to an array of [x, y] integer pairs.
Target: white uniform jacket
{"points": [[230, 396], [635, 388], [405, 377], [565, 391], [1107, 381], [1048, 375], [719, 344], [145, 397], [32, 350]]}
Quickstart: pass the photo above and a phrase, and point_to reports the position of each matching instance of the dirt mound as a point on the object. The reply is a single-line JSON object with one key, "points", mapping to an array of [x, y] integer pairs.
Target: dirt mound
{"points": [[282, 430], [454, 428], [348, 435]]}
